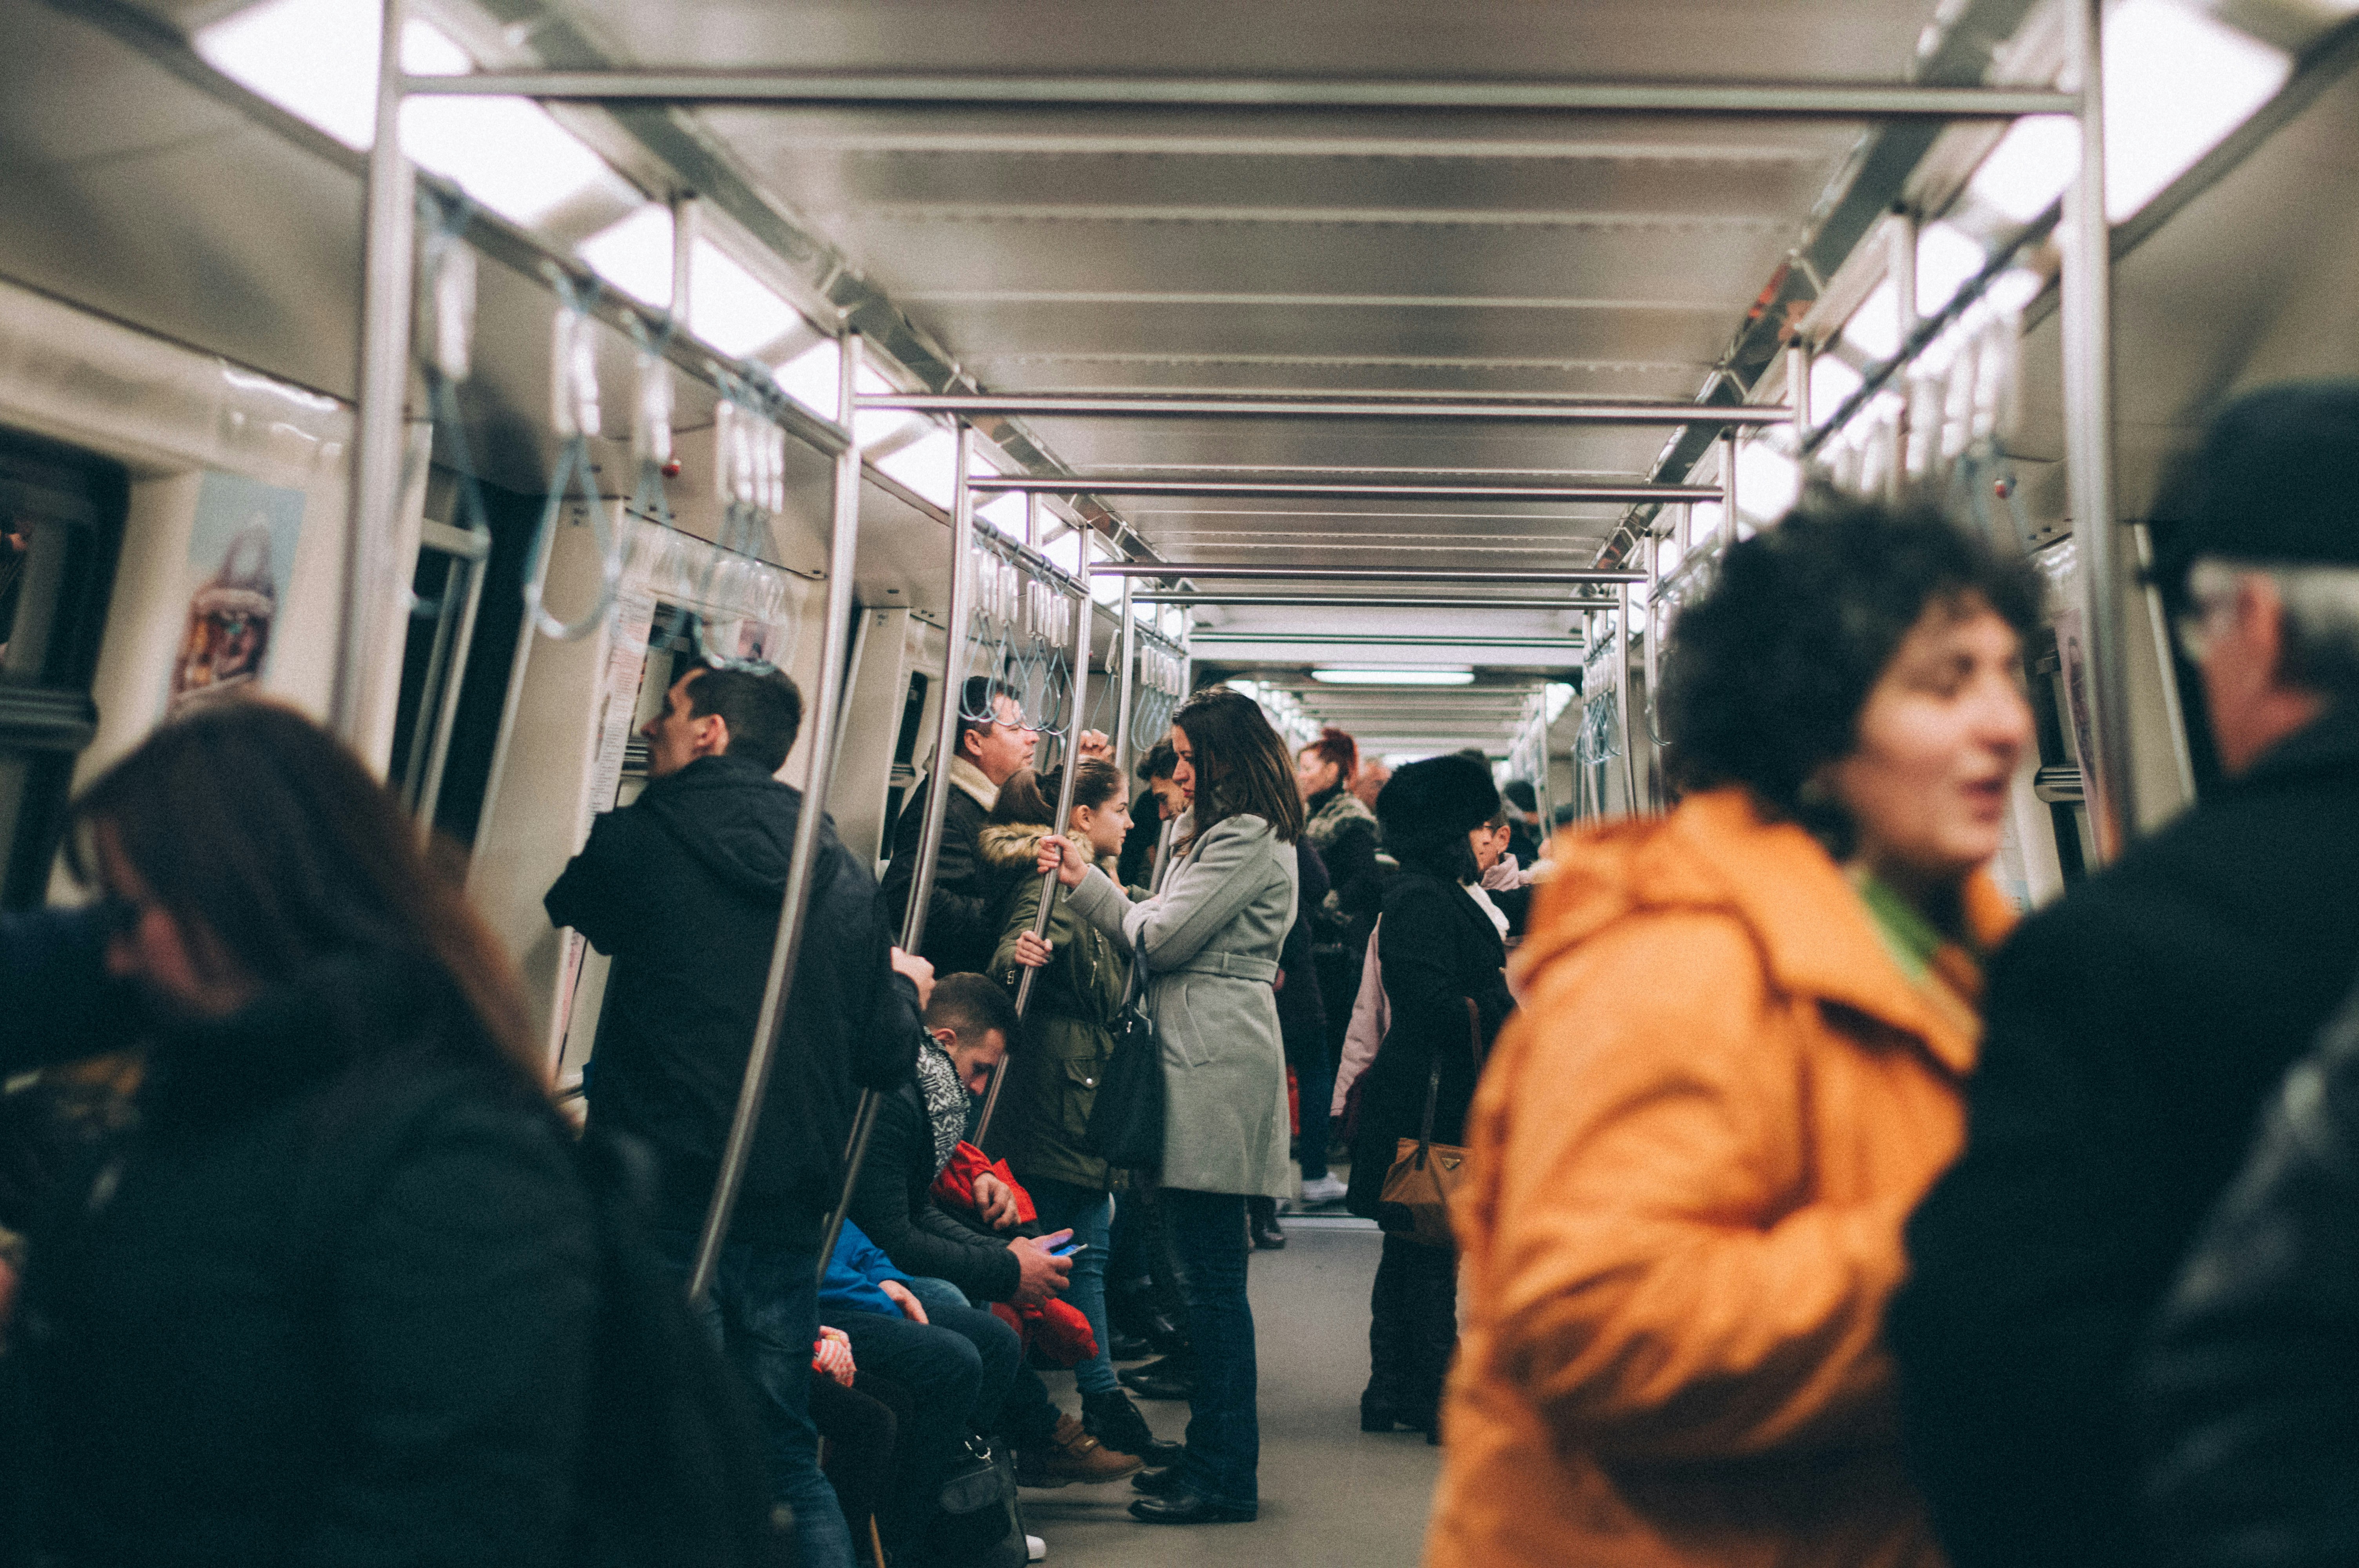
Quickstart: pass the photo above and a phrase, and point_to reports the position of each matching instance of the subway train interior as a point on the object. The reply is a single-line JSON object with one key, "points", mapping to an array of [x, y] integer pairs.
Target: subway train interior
{"points": [[1404, 365]]}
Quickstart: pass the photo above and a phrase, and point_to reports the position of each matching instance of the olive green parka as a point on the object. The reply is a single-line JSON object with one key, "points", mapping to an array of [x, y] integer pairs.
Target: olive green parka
{"points": [[1053, 1074]]}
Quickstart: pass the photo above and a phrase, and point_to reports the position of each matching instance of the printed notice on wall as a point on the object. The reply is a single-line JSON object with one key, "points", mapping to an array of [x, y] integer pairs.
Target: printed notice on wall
{"points": [[240, 555]]}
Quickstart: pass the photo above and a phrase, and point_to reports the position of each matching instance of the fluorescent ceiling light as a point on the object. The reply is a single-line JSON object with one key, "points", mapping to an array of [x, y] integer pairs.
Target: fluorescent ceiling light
{"points": [[318, 60], [1427, 676], [1874, 328], [1947, 260], [1560, 696], [1006, 514], [2176, 83], [929, 466], [1768, 482], [635, 254], [730, 309]]}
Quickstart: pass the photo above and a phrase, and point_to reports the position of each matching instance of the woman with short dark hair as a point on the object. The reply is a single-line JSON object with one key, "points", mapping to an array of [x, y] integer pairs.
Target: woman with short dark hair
{"points": [[333, 1299], [1737, 1067], [1210, 938]]}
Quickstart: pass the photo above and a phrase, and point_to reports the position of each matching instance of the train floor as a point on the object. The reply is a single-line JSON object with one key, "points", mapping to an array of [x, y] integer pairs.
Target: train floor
{"points": [[1332, 1496]]}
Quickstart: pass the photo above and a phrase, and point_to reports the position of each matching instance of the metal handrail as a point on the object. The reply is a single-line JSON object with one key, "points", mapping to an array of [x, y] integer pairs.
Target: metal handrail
{"points": [[1512, 408]]}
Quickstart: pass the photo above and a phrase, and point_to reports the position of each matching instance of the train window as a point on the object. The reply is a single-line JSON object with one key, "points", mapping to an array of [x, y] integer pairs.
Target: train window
{"points": [[60, 522]]}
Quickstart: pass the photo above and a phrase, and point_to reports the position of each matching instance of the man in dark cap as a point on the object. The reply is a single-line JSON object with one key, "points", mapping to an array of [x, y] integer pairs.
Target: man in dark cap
{"points": [[2134, 1029]]}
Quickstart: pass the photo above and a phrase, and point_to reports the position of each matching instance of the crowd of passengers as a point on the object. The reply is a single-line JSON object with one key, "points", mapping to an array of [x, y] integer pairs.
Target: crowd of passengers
{"points": [[1816, 1208]]}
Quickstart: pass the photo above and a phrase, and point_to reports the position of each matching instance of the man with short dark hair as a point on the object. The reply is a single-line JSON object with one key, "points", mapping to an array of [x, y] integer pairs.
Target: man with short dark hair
{"points": [[1521, 802], [682, 889], [2134, 1029], [1160, 801], [969, 1021]]}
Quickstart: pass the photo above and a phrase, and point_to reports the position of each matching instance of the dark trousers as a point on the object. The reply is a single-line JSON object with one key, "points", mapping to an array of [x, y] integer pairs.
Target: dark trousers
{"points": [[860, 1424], [1314, 1083], [1208, 1231], [956, 1365], [1412, 1326], [762, 1311]]}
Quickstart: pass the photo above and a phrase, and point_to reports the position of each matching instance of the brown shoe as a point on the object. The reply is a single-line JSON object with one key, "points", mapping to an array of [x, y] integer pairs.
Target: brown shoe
{"points": [[1072, 1455]]}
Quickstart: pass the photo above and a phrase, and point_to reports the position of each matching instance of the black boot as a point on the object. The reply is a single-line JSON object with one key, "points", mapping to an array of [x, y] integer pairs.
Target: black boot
{"points": [[1387, 1402], [1173, 1378], [1261, 1224], [1432, 1301], [1113, 1420]]}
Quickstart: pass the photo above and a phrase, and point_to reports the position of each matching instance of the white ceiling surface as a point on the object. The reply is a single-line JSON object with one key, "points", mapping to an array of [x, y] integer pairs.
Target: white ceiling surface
{"points": [[1173, 251]]}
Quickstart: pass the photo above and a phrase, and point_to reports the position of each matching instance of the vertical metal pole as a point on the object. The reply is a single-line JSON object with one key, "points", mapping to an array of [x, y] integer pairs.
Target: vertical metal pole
{"points": [[683, 258], [1032, 520], [1651, 653], [1622, 698], [1728, 488], [2088, 303], [946, 718], [1900, 265], [1050, 886], [842, 561], [1121, 757], [1797, 389], [371, 576]]}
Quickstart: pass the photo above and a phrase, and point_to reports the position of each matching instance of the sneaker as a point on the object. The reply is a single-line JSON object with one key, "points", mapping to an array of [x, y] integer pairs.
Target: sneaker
{"points": [[1072, 1455], [1034, 1550], [1113, 1420], [1326, 1190]]}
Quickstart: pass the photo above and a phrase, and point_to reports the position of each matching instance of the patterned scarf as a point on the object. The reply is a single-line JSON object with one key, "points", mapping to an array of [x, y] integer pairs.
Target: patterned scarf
{"points": [[1946, 971], [945, 1098]]}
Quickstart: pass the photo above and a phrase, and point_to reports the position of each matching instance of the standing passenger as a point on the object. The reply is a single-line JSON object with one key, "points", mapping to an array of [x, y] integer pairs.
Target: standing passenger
{"points": [[962, 916], [2138, 1026], [1342, 826], [1441, 946], [332, 1298], [682, 889], [1211, 936], [1738, 1062], [1156, 804]]}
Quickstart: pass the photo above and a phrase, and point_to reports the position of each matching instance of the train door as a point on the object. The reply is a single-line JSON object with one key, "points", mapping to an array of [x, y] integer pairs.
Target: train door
{"points": [[62, 514]]}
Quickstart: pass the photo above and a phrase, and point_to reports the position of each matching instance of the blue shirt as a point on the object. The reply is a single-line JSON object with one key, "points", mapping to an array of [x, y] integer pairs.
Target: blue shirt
{"points": [[854, 1273]]}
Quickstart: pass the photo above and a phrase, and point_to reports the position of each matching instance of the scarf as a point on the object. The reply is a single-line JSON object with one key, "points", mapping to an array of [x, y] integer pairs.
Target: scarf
{"points": [[1947, 972], [945, 1098]]}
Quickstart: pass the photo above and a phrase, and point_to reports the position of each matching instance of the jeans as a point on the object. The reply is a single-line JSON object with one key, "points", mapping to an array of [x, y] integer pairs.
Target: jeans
{"points": [[1090, 1215], [763, 1312], [956, 1367], [1022, 1412], [1208, 1231]]}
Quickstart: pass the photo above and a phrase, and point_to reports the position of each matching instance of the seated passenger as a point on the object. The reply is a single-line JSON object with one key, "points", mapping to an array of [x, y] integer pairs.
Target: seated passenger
{"points": [[918, 1127], [2138, 1025], [1737, 1064], [332, 1298]]}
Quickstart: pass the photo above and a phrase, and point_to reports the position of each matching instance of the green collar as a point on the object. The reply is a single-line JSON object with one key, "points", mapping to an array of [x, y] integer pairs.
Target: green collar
{"points": [[1912, 939]]}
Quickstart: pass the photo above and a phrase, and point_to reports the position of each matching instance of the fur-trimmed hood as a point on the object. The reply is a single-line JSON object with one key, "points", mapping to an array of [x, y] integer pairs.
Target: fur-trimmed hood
{"points": [[1011, 846]]}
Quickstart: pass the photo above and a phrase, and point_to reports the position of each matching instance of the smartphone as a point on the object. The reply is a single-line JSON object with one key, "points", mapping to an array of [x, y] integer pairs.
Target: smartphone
{"points": [[1068, 1250]]}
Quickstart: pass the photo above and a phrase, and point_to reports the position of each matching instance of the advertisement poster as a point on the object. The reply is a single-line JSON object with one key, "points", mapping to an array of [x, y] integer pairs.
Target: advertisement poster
{"points": [[240, 555]]}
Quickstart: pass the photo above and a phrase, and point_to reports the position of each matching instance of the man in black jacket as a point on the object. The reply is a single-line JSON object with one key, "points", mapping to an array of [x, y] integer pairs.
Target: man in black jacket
{"points": [[2134, 1029], [962, 916], [682, 889], [917, 1126]]}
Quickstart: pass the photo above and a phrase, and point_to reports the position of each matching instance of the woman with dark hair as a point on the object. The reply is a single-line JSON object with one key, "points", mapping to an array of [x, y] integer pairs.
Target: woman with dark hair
{"points": [[1440, 947], [1052, 1073], [332, 1298], [1343, 832], [1745, 1026], [1211, 936]]}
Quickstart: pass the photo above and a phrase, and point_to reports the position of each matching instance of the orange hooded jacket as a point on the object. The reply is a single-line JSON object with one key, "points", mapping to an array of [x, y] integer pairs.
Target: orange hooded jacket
{"points": [[1694, 1149]]}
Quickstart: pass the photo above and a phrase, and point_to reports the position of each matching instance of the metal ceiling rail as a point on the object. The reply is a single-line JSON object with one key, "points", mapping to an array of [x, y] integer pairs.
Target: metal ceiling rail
{"points": [[1209, 639], [1272, 490], [1366, 601], [902, 90], [1213, 570], [1453, 406]]}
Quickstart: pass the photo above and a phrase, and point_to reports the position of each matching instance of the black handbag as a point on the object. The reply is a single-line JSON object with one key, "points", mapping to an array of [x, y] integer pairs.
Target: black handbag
{"points": [[979, 1523], [1125, 1126]]}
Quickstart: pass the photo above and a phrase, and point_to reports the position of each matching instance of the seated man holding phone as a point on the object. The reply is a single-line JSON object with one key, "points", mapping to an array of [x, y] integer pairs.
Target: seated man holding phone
{"points": [[969, 1020]]}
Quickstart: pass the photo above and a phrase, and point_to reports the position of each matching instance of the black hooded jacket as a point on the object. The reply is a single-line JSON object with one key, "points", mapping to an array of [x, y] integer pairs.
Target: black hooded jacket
{"points": [[682, 889]]}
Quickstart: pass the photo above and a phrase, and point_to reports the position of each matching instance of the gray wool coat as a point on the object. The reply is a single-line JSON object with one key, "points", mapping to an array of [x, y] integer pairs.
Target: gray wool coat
{"points": [[1210, 938]]}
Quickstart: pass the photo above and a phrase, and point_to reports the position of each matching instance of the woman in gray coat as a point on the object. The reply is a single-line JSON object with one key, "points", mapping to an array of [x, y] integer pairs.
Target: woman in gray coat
{"points": [[1209, 938]]}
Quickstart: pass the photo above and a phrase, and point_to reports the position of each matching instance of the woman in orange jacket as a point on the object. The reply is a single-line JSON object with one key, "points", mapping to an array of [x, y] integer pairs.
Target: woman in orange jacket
{"points": [[1736, 1067]]}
